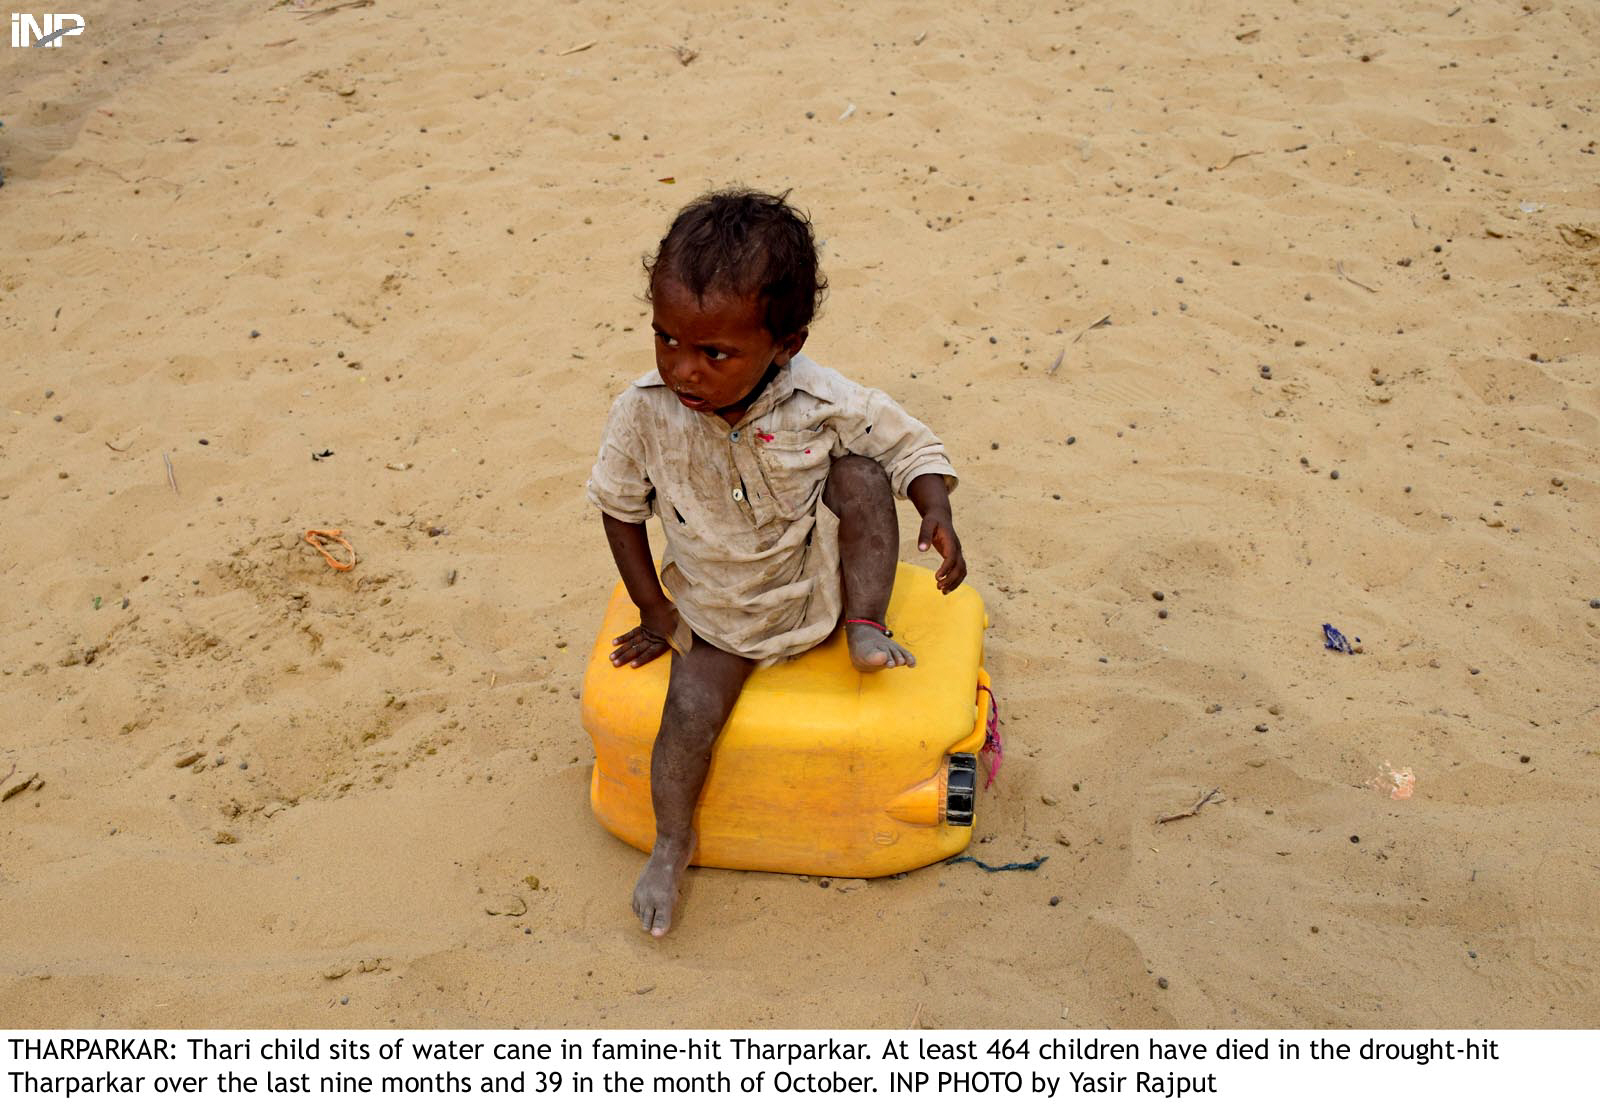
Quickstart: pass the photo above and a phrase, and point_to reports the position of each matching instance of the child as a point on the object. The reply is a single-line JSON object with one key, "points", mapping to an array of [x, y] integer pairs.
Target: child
{"points": [[774, 479]]}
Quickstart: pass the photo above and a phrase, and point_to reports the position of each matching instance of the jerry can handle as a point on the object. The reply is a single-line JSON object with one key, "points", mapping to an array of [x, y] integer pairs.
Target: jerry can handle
{"points": [[961, 787]]}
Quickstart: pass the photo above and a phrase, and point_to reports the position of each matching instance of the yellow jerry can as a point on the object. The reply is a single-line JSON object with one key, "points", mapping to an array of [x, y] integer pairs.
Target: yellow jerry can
{"points": [[820, 769]]}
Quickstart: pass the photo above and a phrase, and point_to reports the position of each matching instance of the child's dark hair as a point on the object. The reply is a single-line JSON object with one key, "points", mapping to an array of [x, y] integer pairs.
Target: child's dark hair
{"points": [[744, 242]]}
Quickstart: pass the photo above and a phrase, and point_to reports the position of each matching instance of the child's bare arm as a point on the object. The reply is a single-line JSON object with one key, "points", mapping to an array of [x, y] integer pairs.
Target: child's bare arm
{"points": [[932, 497], [658, 617]]}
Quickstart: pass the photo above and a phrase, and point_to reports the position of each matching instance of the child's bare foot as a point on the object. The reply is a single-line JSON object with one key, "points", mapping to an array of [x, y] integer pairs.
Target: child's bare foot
{"points": [[656, 893], [871, 650]]}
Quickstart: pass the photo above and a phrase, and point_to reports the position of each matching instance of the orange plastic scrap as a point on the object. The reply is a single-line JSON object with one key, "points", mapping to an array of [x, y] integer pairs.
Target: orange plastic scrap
{"points": [[314, 536], [1399, 784]]}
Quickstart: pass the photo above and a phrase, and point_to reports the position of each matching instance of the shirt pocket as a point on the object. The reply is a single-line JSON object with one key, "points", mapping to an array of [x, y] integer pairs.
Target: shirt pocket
{"points": [[795, 464]]}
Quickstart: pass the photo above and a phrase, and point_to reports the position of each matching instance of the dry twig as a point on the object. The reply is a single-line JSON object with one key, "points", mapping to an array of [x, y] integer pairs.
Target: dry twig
{"points": [[1236, 157], [1353, 281], [336, 8], [1103, 321], [1192, 812]]}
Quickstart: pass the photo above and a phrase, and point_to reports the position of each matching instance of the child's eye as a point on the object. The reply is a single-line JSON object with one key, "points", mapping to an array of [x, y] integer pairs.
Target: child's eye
{"points": [[715, 355], [667, 339]]}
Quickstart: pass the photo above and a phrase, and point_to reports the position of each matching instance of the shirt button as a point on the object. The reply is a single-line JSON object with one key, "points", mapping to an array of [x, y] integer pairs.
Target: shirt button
{"points": [[734, 436], [738, 494]]}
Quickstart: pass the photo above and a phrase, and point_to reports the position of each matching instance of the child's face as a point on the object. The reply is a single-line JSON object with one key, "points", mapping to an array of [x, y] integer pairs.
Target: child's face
{"points": [[712, 353]]}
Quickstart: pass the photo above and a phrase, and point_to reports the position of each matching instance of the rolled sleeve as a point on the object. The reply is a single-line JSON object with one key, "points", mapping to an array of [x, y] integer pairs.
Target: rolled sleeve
{"points": [[618, 485], [875, 426]]}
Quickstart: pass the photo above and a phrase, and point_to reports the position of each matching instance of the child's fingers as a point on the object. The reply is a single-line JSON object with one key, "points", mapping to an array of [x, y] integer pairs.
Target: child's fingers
{"points": [[649, 652], [629, 644]]}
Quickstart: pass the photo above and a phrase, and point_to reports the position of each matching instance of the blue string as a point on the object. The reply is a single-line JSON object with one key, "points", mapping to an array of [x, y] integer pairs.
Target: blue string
{"points": [[1035, 865]]}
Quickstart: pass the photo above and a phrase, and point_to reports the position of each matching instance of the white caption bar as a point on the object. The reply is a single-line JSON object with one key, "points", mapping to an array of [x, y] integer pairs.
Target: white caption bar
{"points": [[136, 1069]]}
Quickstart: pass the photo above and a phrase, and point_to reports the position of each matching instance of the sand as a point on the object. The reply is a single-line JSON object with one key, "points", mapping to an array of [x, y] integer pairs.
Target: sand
{"points": [[237, 236]]}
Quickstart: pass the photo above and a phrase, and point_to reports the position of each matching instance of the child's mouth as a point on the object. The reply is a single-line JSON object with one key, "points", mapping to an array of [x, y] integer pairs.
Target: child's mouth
{"points": [[691, 401]]}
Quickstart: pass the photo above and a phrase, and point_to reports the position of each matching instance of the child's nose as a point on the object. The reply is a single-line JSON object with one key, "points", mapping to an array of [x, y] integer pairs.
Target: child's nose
{"points": [[679, 368]]}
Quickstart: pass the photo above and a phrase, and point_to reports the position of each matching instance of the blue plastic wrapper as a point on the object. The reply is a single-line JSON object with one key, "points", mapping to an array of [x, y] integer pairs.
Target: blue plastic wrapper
{"points": [[1335, 640]]}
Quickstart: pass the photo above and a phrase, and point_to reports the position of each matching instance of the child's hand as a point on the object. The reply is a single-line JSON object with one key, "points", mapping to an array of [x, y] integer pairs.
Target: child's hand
{"points": [[649, 640], [938, 530]]}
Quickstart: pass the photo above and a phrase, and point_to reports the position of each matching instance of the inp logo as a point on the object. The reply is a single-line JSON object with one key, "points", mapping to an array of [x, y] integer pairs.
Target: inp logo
{"points": [[28, 31]]}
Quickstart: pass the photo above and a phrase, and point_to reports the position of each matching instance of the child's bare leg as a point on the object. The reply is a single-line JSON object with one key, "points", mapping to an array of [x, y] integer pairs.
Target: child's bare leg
{"points": [[858, 493], [701, 691]]}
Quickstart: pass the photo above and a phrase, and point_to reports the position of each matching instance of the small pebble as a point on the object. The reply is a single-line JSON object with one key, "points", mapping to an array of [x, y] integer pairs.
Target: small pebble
{"points": [[1161, 614], [1595, 603], [1474, 670], [1054, 901], [1161, 983], [1557, 482], [1472, 954], [1071, 439], [345, 1000], [1355, 839], [1408, 489], [1525, 758], [254, 334], [1315, 929], [56, 418], [1261, 727], [243, 765], [992, 339], [1333, 475], [48, 393], [1158, 595], [205, 442], [994, 446], [1266, 373], [1049, 799], [1103, 658], [824, 883]]}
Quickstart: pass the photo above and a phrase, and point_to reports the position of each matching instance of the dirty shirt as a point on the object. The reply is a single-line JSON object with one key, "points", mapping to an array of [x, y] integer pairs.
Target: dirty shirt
{"points": [[752, 553]]}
